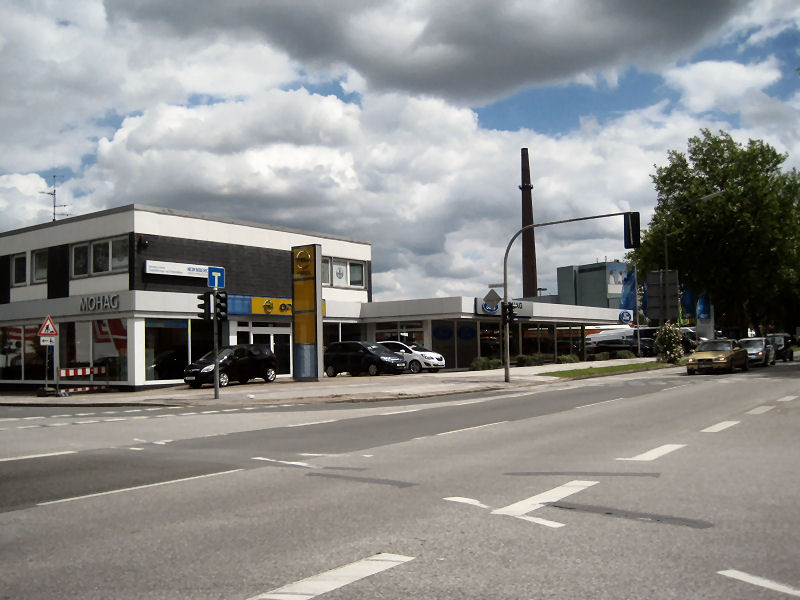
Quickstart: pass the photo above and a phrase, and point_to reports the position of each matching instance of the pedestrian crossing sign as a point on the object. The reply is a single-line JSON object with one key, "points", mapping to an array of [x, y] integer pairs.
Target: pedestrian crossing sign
{"points": [[48, 328]]}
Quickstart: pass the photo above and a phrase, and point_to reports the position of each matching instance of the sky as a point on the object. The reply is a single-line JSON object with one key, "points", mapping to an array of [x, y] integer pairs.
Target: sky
{"points": [[397, 122]]}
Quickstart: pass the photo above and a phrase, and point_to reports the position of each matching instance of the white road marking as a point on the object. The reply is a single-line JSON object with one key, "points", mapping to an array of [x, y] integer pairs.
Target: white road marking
{"points": [[399, 412], [114, 419], [137, 487], [719, 427], [313, 423], [286, 462], [538, 521], [761, 582], [598, 403], [162, 442], [137, 449], [470, 501], [231, 410], [335, 578], [759, 410], [523, 507], [32, 418], [786, 399], [133, 410], [59, 424], [86, 422], [37, 455], [209, 412], [186, 414], [471, 428], [152, 409], [656, 452]]}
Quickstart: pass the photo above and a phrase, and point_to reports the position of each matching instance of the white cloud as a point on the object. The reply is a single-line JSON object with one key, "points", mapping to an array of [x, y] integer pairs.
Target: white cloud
{"points": [[717, 85]]}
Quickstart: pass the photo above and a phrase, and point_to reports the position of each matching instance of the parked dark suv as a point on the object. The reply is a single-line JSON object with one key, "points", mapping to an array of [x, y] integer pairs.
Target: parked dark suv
{"points": [[361, 357], [236, 363]]}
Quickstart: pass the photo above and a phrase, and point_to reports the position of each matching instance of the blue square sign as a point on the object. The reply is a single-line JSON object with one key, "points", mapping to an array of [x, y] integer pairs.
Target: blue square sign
{"points": [[216, 277]]}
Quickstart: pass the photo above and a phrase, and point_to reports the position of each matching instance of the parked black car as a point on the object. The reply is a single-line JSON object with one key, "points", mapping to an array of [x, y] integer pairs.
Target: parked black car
{"points": [[783, 345], [236, 363], [361, 357]]}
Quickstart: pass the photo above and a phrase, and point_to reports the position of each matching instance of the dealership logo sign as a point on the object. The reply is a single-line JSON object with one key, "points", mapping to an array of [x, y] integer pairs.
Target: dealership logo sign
{"points": [[100, 302]]}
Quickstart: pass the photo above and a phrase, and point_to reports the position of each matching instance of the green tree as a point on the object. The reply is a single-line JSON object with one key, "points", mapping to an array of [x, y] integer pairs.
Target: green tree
{"points": [[741, 247]]}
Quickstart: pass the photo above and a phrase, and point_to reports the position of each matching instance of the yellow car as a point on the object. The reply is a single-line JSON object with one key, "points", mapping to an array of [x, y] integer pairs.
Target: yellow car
{"points": [[717, 355]]}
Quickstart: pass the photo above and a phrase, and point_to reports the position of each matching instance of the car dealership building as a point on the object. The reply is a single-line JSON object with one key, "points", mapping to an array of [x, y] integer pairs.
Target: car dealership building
{"points": [[121, 287]]}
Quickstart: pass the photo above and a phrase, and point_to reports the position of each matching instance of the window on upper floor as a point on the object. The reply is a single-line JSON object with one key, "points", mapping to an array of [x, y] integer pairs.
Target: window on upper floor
{"points": [[346, 273], [80, 260], [326, 271], [109, 255], [39, 266], [19, 269]]}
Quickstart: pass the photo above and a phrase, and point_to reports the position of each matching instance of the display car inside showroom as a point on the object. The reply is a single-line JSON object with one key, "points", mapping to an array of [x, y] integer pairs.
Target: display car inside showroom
{"points": [[121, 285]]}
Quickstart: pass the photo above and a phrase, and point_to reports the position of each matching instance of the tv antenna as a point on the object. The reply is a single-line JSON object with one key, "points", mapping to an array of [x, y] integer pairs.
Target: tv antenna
{"points": [[55, 206]]}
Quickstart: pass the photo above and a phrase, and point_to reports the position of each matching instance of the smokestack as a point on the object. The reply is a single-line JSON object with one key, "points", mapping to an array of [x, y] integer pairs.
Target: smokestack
{"points": [[529, 281]]}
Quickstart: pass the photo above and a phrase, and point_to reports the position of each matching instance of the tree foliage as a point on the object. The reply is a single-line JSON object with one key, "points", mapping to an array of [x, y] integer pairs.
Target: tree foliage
{"points": [[742, 247]]}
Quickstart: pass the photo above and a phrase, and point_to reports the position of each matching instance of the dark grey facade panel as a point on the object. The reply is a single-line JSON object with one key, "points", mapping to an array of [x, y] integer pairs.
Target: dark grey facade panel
{"points": [[58, 271], [5, 279], [248, 270]]}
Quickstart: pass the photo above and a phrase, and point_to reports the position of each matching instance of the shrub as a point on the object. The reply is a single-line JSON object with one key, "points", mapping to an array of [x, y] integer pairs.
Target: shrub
{"points": [[495, 363], [529, 360], [568, 358], [624, 354], [600, 356], [479, 364], [669, 341]]}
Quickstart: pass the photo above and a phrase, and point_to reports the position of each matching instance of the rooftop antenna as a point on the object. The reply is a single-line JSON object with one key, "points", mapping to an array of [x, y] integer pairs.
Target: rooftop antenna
{"points": [[55, 206]]}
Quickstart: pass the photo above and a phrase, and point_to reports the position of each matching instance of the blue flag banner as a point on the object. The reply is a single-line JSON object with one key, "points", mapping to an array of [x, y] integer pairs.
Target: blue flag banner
{"points": [[688, 304], [627, 299], [703, 307]]}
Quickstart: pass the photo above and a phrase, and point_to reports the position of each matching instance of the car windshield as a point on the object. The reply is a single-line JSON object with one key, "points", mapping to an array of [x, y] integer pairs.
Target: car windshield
{"points": [[380, 350], [209, 356], [714, 346], [418, 348], [752, 343]]}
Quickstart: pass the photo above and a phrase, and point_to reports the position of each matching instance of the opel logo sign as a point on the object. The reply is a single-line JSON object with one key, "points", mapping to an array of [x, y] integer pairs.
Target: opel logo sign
{"points": [[268, 307], [302, 260]]}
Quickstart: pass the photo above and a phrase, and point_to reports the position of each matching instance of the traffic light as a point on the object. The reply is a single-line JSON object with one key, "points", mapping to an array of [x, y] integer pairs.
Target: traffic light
{"points": [[508, 313], [221, 305], [632, 232], [204, 305]]}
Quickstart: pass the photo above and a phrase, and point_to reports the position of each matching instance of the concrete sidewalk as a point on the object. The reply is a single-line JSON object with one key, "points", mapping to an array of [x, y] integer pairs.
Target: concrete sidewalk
{"points": [[339, 389]]}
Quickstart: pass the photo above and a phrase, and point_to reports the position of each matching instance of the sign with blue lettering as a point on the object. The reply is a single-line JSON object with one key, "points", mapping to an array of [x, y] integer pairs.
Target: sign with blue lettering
{"points": [[216, 277]]}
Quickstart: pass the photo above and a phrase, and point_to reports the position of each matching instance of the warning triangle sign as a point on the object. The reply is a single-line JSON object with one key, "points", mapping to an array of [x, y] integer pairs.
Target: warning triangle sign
{"points": [[48, 328]]}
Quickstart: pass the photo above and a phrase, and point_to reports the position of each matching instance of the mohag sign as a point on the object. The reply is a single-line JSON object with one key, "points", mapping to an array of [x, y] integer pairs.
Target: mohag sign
{"points": [[100, 303]]}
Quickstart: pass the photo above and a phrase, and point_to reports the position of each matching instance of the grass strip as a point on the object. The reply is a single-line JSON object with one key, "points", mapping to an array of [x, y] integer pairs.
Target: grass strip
{"points": [[609, 370]]}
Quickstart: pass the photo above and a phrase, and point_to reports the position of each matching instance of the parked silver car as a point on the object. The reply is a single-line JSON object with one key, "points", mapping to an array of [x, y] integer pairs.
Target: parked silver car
{"points": [[759, 351], [417, 358]]}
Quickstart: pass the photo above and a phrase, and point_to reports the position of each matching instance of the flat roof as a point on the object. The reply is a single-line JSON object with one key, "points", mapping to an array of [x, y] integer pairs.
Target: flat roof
{"points": [[179, 213]]}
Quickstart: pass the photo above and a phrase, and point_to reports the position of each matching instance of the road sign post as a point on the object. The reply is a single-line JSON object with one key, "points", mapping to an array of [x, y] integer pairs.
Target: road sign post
{"points": [[47, 336]]}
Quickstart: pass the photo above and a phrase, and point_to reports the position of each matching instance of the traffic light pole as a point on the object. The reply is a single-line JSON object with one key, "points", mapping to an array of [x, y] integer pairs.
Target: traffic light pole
{"points": [[216, 346], [506, 324]]}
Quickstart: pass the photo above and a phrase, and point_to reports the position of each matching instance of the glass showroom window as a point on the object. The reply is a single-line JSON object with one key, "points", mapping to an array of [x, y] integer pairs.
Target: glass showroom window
{"points": [[20, 270], [80, 260], [39, 266]]}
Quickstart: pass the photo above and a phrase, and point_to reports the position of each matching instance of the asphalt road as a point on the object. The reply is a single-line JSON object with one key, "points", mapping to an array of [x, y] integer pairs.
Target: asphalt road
{"points": [[653, 485]]}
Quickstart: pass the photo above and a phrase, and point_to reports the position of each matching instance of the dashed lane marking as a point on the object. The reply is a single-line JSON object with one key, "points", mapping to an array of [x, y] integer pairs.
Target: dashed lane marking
{"points": [[470, 428], [786, 399], [286, 462], [656, 452], [335, 578], [719, 427], [759, 410], [761, 582]]}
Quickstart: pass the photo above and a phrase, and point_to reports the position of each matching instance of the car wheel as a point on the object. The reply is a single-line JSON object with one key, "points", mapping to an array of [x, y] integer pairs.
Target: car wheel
{"points": [[414, 366], [330, 371], [269, 375], [372, 369], [223, 379]]}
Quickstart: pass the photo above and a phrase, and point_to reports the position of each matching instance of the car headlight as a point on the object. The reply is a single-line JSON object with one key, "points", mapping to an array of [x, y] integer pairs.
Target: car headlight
{"points": [[207, 368], [692, 360], [431, 357], [720, 359], [389, 359]]}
